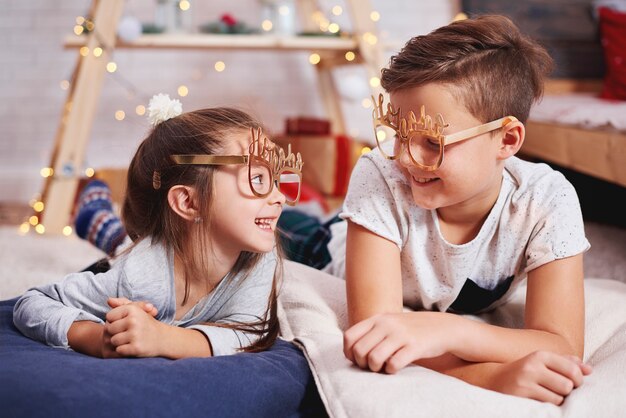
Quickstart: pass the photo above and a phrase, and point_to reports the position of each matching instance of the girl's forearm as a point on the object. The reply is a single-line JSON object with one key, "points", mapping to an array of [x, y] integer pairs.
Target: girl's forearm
{"points": [[480, 342], [86, 337], [182, 343]]}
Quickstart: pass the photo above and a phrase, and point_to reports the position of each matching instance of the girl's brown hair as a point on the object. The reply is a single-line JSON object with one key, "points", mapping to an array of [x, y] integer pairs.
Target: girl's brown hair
{"points": [[147, 214], [491, 67]]}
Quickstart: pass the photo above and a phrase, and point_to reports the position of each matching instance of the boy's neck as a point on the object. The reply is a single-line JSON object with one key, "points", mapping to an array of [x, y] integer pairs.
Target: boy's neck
{"points": [[461, 223]]}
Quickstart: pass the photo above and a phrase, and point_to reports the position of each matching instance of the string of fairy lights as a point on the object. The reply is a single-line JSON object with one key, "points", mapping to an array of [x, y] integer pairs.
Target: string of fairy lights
{"points": [[87, 25]]}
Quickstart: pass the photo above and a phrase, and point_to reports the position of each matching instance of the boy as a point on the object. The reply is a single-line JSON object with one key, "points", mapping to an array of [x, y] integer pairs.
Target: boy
{"points": [[445, 220]]}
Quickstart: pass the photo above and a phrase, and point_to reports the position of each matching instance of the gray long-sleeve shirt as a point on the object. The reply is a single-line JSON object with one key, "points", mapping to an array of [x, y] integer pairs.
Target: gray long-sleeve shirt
{"points": [[45, 313]]}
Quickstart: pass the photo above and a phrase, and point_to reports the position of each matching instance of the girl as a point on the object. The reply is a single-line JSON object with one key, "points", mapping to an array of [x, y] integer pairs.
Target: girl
{"points": [[203, 198]]}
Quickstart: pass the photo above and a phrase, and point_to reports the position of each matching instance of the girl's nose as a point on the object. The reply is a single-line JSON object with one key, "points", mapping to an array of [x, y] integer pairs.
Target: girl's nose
{"points": [[277, 196]]}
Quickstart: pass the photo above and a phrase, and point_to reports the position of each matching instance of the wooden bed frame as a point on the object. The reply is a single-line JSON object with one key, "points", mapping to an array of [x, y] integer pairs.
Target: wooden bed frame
{"points": [[597, 152]]}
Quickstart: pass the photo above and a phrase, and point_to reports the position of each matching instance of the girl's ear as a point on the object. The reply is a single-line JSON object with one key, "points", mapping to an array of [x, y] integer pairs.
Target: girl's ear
{"points": [[182, 200], [512, 139]]}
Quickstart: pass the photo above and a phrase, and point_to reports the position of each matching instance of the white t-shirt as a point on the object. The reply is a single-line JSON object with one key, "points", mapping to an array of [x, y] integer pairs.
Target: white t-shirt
{"points": [[536, 219]]}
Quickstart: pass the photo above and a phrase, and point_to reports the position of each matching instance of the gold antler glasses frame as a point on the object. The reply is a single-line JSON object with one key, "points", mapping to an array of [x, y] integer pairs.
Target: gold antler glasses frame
{"points": [[423, 136], [268, 165]]}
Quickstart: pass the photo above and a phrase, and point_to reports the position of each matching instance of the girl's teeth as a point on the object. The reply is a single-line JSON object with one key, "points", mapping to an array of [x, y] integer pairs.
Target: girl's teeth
{"points": [[264, 223]]}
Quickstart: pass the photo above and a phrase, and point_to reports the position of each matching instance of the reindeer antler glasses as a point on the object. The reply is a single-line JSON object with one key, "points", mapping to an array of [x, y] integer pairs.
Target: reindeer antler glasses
{"points": [[423, 137], [268, 164]]}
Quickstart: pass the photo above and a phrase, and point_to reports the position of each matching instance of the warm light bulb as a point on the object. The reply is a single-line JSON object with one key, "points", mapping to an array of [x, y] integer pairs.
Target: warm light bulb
{"points": [[333, 28], [38, 206], [350, 56], [40, 229], [366, 103], [46, 172], [97, 51], [337, 10], [67, 230], [184, 5], [111, 67], [89, 172], [65, 85], [80, 20], [267, 25], [283, 10], [24, 228], [120, 115], [459, 16], [183, 91], [374, 81], [375, 16], [33, 220], [140, 110], [84, 51], [220, 66], [78, 29], [314, 58], [365, 150]]}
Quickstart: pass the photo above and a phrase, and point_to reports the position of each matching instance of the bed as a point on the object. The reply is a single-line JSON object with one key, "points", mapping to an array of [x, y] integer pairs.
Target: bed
{"points": [[574, 128], [313, 314]]}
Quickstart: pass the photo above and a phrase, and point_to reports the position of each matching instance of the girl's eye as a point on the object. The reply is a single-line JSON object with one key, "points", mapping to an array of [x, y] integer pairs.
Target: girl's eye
{"points": [[257, 179]]}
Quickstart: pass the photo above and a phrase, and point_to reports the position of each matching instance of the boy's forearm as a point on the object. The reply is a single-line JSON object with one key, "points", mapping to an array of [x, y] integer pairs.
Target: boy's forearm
{"points": [[480, 342], [182, 343], [478, 374], [86, 337]]}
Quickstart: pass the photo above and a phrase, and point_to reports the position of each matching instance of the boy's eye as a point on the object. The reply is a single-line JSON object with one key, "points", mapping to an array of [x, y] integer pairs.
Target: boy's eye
{"points": [[257, 179]]}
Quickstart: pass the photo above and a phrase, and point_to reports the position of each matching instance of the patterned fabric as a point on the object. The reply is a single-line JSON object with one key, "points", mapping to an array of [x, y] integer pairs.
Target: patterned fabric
{"points": [[305, 238], [96, 220]]}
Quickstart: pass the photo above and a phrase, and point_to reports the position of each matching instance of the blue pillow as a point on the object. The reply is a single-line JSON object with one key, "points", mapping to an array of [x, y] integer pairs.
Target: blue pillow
{"points": [[37, 380]]}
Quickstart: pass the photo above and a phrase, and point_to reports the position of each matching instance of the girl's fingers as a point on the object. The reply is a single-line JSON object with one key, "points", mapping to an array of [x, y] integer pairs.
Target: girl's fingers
{"points": [[120, 339], [116, 327], [115, 302], [117, 313]]}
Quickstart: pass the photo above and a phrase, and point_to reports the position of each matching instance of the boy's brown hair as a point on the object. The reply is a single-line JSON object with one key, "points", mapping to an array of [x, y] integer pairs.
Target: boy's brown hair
{"points": [[491, 67]]}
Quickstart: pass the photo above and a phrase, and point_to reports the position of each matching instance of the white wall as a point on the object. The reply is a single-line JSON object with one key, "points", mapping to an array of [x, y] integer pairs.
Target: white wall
{"points": [[273, 86]]}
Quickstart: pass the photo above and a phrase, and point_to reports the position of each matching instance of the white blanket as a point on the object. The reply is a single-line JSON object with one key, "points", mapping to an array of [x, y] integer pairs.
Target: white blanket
{"points": [[312, 313]]}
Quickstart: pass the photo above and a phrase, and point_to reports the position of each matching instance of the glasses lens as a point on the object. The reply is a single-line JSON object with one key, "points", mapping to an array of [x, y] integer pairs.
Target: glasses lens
{"points": [[260, 178], [289, 185], [425, 149], [385, 137]]}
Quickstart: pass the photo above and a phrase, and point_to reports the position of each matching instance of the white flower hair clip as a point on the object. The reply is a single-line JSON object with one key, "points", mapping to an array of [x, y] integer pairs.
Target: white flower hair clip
{"points": [[162, 108]]}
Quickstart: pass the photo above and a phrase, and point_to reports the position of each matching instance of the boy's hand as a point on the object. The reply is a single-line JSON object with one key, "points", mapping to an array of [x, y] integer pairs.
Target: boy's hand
{"points": [[543, 375], [146, 306], [390, 342], [134, 332]]}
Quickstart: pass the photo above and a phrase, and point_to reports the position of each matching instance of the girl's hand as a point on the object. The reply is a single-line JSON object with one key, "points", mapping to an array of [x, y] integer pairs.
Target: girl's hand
{"points": [[134, 332], [146, 306], [389, 342], [543, 375]]}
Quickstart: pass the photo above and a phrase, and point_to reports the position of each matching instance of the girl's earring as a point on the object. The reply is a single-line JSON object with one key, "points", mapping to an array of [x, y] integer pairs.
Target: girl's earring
{"points": [[197, 220]]}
